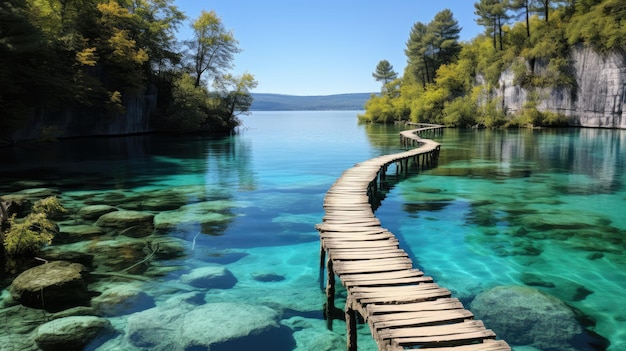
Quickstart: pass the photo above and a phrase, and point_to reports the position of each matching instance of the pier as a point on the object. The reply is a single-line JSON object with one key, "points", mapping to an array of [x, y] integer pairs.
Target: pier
{"points": [[403, 307]]}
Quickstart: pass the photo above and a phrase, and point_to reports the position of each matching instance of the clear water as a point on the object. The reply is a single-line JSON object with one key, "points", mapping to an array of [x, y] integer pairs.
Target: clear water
{"points": [[251, 202]]}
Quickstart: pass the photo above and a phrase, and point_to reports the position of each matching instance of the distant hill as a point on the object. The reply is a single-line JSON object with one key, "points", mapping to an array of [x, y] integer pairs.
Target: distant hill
{"points": [[279, 102]]}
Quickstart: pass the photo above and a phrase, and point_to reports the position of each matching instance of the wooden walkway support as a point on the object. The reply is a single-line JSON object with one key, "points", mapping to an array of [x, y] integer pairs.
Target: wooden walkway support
{"points": [[402, 306]]}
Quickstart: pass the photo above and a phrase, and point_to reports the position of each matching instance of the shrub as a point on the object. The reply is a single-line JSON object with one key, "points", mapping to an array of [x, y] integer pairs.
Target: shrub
{"points": [[27, 235]]}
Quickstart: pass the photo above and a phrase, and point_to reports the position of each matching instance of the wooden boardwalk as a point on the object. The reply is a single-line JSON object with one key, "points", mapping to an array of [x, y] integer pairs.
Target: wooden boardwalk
{"points": [[403, 307]]}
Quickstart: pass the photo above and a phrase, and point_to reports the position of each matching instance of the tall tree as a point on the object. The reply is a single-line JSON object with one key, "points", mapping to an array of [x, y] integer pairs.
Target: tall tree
{"points": [[430, 46], [384, 72], [213, 47], [492, 14], [418, 61], [524, 7]]}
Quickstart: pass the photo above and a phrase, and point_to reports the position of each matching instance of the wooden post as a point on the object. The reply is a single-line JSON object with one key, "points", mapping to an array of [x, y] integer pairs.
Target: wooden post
{"points": [[322, 263], [351, 336], [330, 294]]}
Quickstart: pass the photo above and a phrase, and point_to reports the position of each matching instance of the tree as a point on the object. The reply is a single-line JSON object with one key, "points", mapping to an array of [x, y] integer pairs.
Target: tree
{"points": [[384, 72], [418, 62], [430, 46], [235, 94], [524, 6], [213, 47], [492, 14]]}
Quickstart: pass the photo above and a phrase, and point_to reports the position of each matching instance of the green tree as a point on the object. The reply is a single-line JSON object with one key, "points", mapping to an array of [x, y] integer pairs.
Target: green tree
{"points": [[235, 95], [212, 48], [419, 63], [384, 72], [492, 14], [524, 7], [430, 46]]}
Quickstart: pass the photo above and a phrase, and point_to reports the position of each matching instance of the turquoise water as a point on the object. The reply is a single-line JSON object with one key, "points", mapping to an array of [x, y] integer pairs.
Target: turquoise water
{"points": [[502, 208]]}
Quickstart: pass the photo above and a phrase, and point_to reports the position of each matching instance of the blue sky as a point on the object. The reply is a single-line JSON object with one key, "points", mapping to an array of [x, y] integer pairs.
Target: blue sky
{"points": [[323, 47]]}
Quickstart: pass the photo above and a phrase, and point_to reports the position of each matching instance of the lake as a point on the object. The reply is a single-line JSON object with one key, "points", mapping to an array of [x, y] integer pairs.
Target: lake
{"points": [[234, 235]]}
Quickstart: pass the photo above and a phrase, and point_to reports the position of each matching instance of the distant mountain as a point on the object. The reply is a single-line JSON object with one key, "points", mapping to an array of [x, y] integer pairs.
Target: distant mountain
{"points": [[279, 102]]}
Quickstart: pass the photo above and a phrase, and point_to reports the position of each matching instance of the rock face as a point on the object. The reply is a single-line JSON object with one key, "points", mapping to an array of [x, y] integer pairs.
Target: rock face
{"points": [[205, 327], [72, 333], [526, 316], [599, 99], [138, 118], [46, 286]]}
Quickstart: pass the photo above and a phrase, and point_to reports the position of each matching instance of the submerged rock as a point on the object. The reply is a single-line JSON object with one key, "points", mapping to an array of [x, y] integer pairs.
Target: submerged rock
{"points": [[211, 277], [76, 233], [526, 316], [130, 223], [205, 327], [72, 333], [122, 299], [95, 211], [52, 286]]}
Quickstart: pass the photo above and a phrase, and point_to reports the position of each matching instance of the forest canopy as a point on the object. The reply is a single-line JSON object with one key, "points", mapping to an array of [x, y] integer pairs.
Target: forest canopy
{"points": [[451, 82], [92, 56]]}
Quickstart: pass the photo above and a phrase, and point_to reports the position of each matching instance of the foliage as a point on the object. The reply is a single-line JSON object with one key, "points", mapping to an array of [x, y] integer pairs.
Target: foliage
{"points": [[212, 48], [601, 25], [94, 56], [432, 45], [27, 235], [529, 38], [384, 72]]}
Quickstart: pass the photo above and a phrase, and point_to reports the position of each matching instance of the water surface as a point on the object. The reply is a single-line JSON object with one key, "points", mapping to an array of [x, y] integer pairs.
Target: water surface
{"points": [[541, 208]]}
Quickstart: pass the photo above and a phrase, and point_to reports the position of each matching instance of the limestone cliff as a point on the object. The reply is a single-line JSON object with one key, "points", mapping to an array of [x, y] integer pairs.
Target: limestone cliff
{"points": [[597, 100], [137, 118]]}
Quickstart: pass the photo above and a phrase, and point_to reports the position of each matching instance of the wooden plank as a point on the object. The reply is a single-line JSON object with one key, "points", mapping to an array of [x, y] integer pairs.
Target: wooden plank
{"points": [[407, 319], [421, 296], [445, 330], [486, 345], [394, 289], [385, 275], [465, 337], [397, 281], [439, 304]]}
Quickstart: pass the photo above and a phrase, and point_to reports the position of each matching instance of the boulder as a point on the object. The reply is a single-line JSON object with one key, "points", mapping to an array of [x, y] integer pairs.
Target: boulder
{"points": [[526, 316], [134, 224], [51, 286], [211, 326], [76, 233], [72, 333], [93, 212], [122, 299], [210, 277]]}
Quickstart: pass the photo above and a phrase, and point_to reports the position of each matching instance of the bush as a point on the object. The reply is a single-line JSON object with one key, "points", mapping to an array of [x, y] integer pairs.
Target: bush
{"points": [[27, 235]]}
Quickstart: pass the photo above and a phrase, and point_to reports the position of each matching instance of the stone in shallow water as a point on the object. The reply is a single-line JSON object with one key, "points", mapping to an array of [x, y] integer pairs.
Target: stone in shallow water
{"points": [[72, 333], [532, 279], [267, 277], [526, 316], [122, 299], [214, 326], [95, 211], [309, 335], [211, 277], [47, 286], [75, 233], [130, 223]]}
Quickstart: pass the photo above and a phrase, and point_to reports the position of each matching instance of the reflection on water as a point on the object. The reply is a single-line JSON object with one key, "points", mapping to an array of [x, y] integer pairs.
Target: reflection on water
{"points": [[187, 235]]}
